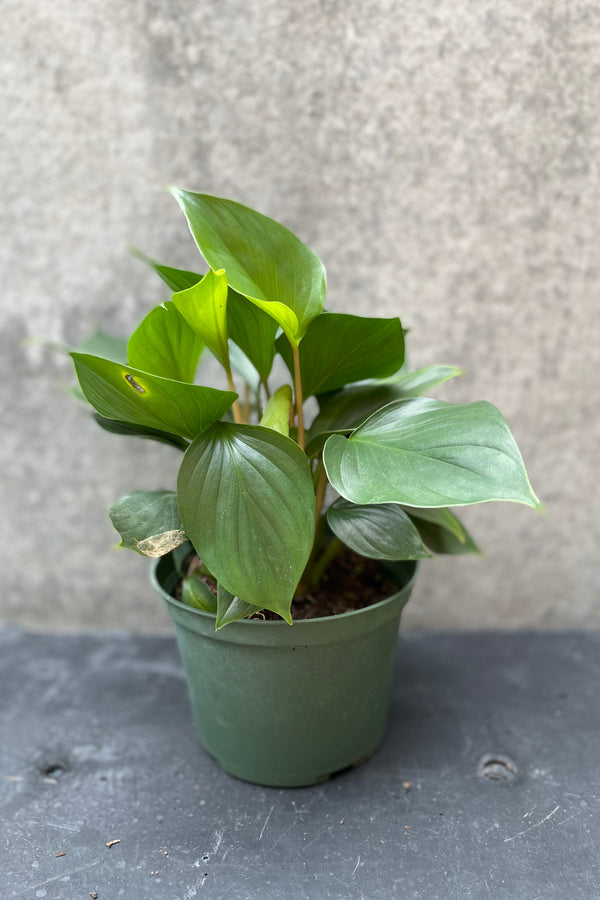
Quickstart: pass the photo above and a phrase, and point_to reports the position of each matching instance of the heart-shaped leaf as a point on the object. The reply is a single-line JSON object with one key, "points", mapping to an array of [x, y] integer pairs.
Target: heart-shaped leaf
{"points": [[130, 395], [148, 522], [262, 260], [247, 502], [345, 410], [426, 453], [165, 345], [377, 531], [338, 349]]}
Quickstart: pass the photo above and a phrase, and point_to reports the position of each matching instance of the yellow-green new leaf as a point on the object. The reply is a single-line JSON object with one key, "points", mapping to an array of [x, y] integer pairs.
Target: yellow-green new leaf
{"points": [[204, 308], [165, 345], [277, 410]]}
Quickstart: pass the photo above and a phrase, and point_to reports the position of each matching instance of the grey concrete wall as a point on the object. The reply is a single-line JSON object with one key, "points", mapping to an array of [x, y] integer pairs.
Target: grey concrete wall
{"points": [[441, 158]]}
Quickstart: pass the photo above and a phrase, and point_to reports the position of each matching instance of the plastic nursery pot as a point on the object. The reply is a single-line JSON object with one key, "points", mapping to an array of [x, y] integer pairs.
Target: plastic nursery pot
{"points": [[285, 705]]}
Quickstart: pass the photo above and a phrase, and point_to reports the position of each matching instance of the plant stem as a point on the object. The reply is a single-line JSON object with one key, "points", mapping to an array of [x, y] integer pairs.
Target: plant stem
{"points": [[328, 555], [237, 412], [320, 488], [247, 404], [264, 383], [298, 396], [320, 483]]}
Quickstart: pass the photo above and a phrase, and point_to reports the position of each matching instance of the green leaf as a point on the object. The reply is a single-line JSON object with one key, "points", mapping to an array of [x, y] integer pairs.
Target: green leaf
{"points": [[204, 307], [376, 531], [176, 279], [263, 260], [197, 594], [345, 410], [253, 331], [129, 395], [338, 349], [231, 608], [123, 428], [165, 345], [246, 501], [442, 532], [427, 453], [421, 381], [148, 522], [277, 410], [105, 345]]}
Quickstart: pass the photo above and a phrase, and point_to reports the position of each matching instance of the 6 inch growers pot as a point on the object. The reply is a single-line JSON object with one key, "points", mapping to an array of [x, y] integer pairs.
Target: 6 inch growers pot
{"points": [[285, 705]]}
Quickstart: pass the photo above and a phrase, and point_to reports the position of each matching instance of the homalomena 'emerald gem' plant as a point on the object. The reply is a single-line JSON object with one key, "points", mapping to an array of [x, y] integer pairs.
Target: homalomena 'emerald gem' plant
{"points": [[252, 488]]}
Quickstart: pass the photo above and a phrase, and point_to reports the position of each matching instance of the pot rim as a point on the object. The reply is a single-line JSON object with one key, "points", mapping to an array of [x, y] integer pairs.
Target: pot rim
{"points": [[262, 623]]}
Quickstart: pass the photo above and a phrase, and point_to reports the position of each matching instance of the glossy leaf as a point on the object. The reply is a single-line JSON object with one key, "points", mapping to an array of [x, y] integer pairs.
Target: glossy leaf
{"points": [[197, 594], [246, 501], [277, 410], [338, 349], [164, 344], [129, 395], [426, 453], [377, 531], [231, 608], [345, 410], [115, 427], [204, 307], [262, 260], [443, 533], [148, 522]]}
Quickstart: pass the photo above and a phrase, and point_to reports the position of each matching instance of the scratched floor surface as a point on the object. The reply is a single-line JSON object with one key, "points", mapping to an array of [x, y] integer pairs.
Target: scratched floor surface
{"points": [[487, 785]]}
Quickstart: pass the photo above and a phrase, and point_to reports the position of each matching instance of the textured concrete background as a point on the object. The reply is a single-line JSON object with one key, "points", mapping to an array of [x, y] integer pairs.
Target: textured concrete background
{"points": [[441, 158]]}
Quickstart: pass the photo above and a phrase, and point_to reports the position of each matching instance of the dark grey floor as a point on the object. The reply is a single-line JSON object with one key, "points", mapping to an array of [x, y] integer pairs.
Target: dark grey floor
{"points": [[97, 744]]}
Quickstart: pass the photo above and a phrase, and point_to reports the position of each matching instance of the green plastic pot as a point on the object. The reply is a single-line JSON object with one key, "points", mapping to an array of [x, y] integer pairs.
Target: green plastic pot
{"points": [[285, 705]]}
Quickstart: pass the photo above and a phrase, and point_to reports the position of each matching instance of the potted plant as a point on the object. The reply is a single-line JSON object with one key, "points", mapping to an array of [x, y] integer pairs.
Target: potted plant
{"points": [[288, 494]]}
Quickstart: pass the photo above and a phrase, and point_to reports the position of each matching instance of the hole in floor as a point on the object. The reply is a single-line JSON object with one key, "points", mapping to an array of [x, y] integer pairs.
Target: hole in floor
{"points": [[497, 767], [53, 770]]}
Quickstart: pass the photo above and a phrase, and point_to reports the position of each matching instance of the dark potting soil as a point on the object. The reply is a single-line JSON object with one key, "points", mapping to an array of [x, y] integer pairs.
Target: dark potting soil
{"points": [[350, 582]]}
